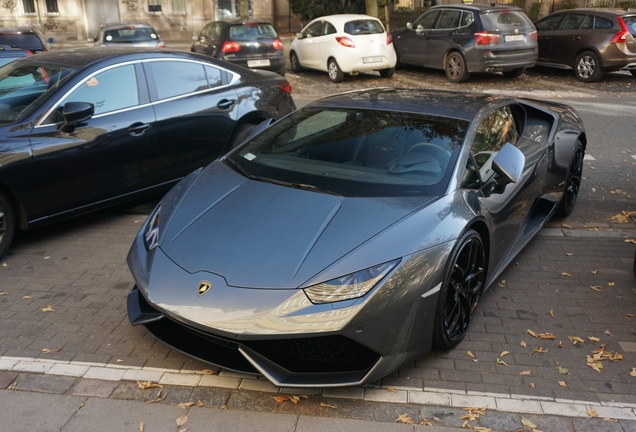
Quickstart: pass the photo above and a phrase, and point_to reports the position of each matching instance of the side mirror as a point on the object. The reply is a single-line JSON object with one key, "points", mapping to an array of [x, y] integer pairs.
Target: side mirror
{"points": [[90, 39], [409, 26], [51, 40], [77, 112], [508, 164], [299, 35]]}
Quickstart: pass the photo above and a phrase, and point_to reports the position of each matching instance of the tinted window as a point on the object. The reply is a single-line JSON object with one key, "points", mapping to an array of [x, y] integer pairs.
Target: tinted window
{"points": [[357, 152], [314, 29], [426, 21], [175, 78], [549, 23], [588, 22], [449, 19], [130, 35], [505, 20], [363, 27], [329, 29], [573, 21], [251, 32], [27, 40], [602, 23], [467, 19], [214, 76], [630, 22], [110, 90]]}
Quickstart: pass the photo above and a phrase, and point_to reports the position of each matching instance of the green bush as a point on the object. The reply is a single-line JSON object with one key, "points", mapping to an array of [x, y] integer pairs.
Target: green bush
{"points": [[403, 15], [533, 14]]}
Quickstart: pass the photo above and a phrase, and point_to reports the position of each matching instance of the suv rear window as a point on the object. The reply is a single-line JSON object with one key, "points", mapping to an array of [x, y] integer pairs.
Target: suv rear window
{"points": [[363, 27], [630, 22], [251, 32], [24, 40], [505, 20]]}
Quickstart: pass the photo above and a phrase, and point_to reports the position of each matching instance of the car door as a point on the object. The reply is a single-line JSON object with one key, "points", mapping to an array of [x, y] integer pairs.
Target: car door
{"points": [[548, 30], [307, 50], [412, 42], [567, 41], [441, 38], [196, 107], [100, 158]]}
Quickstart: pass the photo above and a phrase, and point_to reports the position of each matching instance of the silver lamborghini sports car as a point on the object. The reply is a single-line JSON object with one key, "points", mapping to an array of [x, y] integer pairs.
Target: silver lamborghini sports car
{"points": [[352, 235]]}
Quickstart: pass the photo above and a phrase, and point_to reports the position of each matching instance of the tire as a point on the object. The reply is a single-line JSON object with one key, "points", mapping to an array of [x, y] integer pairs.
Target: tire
{"points": [[241, 133], [587, 67], [295, 64], [7, 224], [387, 73], [514, 73], [572, 183], [335, 73], [455, 67], [633, 72], [463, 284]]}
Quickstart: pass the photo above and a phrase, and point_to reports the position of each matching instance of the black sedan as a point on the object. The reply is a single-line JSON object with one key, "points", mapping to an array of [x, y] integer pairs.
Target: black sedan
{"points": [[354, 234], [83, 129]]}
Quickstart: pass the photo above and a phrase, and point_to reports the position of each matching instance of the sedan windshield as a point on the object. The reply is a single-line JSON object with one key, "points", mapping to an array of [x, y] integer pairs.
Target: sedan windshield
{"points": [[356, 152], [23, 84]]}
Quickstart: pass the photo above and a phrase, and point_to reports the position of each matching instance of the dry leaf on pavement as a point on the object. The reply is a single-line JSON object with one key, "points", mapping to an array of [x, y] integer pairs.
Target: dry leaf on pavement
{"points": [[608, 332], [576, 339], [633, 372], [562, 370], [551, 313], [391, 389], [596, 287], [566, 274], [501, 362], [182, 420], [471, 355], [523, 344], [525, 372], [159, 397], [591, 413], [199, 404], [539, 350], [27, 297], [185, 405], [526, 422], [49, 308], [3, 293], [594, 272], [503, 353], [50, 351], [280, 399], [141, 426], [148, 384], [562, 383], [531, 385], [404, 418], [594, 338], [426, 423], [322, 404], [611, 284]]}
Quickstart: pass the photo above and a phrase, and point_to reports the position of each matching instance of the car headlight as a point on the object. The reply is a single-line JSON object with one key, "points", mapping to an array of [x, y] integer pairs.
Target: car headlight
{"points": [[151, 234], [351, 286]]}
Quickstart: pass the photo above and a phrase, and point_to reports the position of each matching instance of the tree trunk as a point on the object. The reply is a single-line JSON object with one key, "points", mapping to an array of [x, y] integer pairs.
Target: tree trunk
{"points": [[372, 7], [243, 10], [545, 8]]}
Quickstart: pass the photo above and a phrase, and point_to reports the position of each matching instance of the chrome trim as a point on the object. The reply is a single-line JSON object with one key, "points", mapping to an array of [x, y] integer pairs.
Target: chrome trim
{"points": [[432, 291]]}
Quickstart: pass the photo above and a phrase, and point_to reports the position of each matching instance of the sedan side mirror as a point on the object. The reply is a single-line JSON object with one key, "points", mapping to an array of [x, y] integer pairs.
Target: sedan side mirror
{"points": [[508, 164], [409, 26], [77, 112]]}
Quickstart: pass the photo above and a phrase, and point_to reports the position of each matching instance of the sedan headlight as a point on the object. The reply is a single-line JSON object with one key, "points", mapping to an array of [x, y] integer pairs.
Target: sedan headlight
{"points": [[151, 234], [351, 286]]}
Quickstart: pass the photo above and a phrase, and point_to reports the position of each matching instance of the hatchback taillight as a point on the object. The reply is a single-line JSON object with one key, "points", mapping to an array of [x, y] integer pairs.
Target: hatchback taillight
{"points": [[285, 86], [485, 38], [389, 39], [345, 41], [533, 35], [622, 35], [230, 47], [278, 44]]}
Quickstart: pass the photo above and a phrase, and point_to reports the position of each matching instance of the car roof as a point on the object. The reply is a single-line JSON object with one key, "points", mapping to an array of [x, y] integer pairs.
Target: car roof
{"points": [[240, 22], [598, 11], [463, 106], [343, 18], [479, 7], [120, 24]]}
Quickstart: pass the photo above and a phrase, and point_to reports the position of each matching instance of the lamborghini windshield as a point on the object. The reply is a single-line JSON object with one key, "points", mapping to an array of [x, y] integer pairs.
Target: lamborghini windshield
{"points": [[356, 152]]}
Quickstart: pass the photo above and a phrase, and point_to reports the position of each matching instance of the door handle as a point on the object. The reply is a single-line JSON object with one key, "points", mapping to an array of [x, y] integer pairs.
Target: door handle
{"points": [[137, 129], [576, 37], [225, 104]]}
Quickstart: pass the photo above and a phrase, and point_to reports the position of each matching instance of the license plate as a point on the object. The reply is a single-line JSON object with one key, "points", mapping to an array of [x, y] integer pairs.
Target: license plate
{"points": [[375, 59], [513, 38], [258, 63]]}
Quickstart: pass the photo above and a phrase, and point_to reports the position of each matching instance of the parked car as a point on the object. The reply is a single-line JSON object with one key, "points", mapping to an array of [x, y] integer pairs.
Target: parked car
{"points": [[130, 33], [589, 41], [251, 44], [354, 234], [343, 44], [9, 54], [86, 128], [462, 39], [26, 38]]}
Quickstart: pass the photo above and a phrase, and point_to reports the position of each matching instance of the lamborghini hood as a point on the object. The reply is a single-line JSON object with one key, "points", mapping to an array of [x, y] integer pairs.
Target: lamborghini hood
{"points": [[261, 235]]}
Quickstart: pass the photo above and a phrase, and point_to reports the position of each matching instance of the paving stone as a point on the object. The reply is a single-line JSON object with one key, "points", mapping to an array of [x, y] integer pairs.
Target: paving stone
{"points": [[6, 378], [443, 416], [210, 396], [44, 383], [321, 424], [384, 395], [258, 385], [549, 423], [595, 425], [386, 412], [519, 406], [500, 421], [94, 388], [252, 401]]}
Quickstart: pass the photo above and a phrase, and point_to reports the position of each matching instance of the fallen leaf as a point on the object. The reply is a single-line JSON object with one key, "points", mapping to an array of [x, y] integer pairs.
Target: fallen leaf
{"points": [[49, 308], [208, 371], [322, 404], [630, 315], [503, 353], [182, 420], [47, 257], [482, 429], [566, 274], [465, 425], [552, 313], [560, 344], [4, 293], [523, 344], [569, 254], [294, 399], [526, 422], [185, 405], [280, 399], [633, 372], [562, 383], [594, 338], [404, 418], [562, 370], [426, 423], [159, 398], [610, 419], [594, 272], [611, 284], [120, 361], [525, 372], [27, 297], [595, 288], [391, 389], [566, 226], [591, 363], [141, 426], [224, 407], [471, 355], [591, 413], [184, 430], [501, 362], [148, 384], [576, 339], [539, 350], [50, 351], [199, 404], [608, 332], [630, 240]]}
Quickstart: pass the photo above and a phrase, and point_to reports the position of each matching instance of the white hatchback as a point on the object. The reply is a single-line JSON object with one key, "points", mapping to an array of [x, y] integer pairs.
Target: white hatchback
{"points": [[340, 44]]}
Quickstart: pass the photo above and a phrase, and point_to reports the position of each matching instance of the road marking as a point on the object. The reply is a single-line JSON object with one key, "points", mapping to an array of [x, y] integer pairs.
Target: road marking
{"points": [[396, 394], [589, 157]]}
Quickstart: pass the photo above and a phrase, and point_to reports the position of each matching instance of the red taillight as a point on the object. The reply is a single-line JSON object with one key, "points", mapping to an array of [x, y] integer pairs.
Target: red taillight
{"points": [[622, 35], [389, 39], [533, 35], [285, 86], [485, 38], [230, 47], [29, 52], [278, 44], [345, 41], [161, 45]]}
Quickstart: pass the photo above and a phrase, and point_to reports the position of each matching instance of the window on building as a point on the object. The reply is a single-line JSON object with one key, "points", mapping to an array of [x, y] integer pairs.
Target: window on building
{"points": [[51, 6], [179, 6], [154, 5], [28, 6]]}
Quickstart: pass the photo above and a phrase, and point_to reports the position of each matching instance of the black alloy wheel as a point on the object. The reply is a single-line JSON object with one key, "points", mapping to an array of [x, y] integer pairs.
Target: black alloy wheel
{"points": [[7, 224], [572, 182], [464, 279]]}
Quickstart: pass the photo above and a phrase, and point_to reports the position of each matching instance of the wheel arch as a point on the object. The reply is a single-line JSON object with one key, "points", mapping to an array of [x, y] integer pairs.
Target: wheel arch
{"points": [[18, 208], [482, 229], [588, 48]]}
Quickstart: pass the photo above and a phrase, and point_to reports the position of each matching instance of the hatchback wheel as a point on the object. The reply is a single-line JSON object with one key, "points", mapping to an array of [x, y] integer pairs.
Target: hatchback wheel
{"points": [[387, 73], [295, 64], [464, 278], [7, 224], [335, 73], [456, 70], [587, 67]]}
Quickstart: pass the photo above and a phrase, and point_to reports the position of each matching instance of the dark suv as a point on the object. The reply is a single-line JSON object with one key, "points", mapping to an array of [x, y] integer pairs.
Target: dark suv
{"points": [[469, 38], [590, 41], [251, 44]]}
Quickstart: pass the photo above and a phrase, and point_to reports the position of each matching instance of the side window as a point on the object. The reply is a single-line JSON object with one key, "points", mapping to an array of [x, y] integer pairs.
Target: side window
{"points": [[111, 90], [449, 19], [549, 23], [214, 76], [467, 19], [313, 30], [426, 21], [175, 78], [572, 21], [588, 22], [602, 23], [329, 29], [497, 129]]}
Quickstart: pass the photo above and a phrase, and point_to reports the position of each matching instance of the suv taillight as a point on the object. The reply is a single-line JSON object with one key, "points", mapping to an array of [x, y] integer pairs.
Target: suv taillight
{"points": [[285, 86], [230, 47], [533, 35], [622, 35], [278, 44], [345, 41], [485, 38]]}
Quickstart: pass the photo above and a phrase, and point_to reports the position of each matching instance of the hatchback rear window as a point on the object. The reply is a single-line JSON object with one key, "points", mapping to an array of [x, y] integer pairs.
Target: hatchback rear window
{"points": [[505, 20], [363, 27], [131, 35], [24, 40], [251, 32]]}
